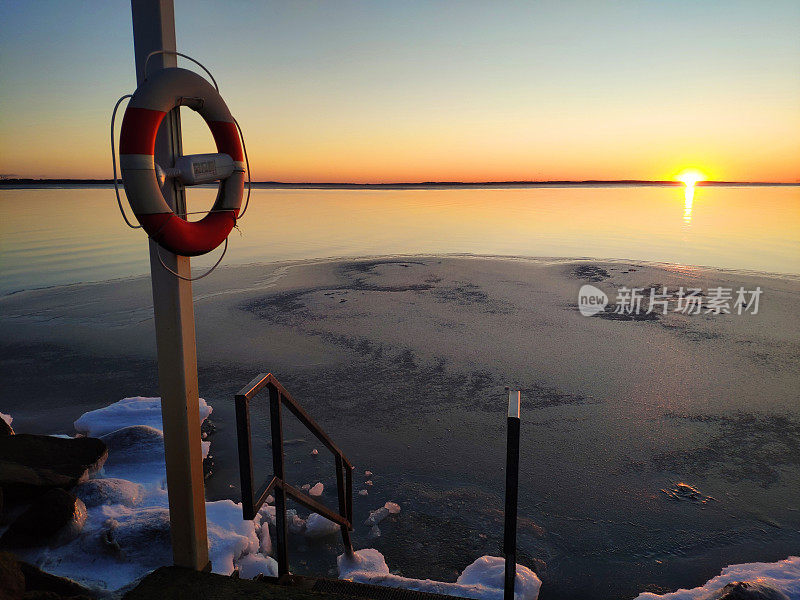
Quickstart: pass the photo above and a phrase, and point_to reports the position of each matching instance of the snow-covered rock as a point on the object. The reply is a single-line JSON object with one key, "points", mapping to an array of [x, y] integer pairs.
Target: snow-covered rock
{"points": [[128, 411], [96, 492], [783, 576]]}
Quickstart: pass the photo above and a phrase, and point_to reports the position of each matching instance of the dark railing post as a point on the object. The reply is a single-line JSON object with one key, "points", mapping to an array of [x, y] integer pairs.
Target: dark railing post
{"points": [[245, 456], [348, 546], [348, 472], [281, 533], [512, 485]]}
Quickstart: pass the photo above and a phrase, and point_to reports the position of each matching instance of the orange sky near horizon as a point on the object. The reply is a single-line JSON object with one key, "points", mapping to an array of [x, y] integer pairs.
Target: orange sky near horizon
{"points": [[380, 92]]}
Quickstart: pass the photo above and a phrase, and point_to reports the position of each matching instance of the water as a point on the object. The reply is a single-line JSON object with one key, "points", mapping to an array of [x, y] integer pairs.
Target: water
{"points": [[56, 236], [404, 363]]}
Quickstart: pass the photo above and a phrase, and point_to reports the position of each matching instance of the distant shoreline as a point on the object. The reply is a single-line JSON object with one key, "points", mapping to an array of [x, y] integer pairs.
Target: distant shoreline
{"points": [[29, 182]]}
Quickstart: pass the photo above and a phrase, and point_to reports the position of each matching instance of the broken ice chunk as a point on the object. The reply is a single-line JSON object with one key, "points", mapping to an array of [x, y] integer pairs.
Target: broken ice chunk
{"points": [[376, 516]]}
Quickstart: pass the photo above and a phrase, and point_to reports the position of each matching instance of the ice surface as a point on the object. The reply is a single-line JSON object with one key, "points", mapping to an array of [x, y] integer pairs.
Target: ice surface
{"points": [[128, 411], [317, 489], [783, 575], [480, 580]]}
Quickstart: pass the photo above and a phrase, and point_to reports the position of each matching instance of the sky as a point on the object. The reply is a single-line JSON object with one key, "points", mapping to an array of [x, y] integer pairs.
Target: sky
{"points": [[409, 91]]}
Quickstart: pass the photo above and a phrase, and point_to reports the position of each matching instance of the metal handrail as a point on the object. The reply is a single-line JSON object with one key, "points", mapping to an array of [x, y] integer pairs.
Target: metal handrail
{"points": [[252, 500]]}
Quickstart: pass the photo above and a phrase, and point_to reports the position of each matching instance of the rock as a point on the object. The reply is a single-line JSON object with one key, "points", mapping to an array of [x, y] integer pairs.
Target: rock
{"points": [[30, 464], [97, 492], [54, 518], [5, 427], [746, 590], [12, 581], [376, 516], [37, 580]]}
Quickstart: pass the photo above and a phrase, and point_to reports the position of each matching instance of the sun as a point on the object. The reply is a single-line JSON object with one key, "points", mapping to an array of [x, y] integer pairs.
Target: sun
{"points": [[690, 177]]}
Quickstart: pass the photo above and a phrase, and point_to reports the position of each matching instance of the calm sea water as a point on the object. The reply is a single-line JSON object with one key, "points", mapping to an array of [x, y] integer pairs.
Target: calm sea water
{"points": [[54, 236]]}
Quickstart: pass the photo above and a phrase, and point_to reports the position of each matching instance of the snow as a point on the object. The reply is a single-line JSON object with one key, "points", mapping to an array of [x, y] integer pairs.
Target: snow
{"points": [[483, 579], [318, 526], [317, 489], [128, 411], [127, 533], [6, 418], [255, 564], [783, 576]]}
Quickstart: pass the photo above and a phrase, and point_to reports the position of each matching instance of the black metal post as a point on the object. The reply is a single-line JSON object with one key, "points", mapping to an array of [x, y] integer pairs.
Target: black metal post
{"points": [[281, 532], [512, 486], [245, 456], [348, 546]]}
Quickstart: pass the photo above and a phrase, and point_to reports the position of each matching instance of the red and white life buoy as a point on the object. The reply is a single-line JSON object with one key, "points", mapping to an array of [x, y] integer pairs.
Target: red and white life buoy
{"points": [[159, 94]]}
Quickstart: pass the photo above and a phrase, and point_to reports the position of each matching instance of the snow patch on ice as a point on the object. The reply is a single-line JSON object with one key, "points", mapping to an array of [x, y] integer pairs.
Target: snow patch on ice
{"points": [[783, 575], [317, 489], [479, 580]]}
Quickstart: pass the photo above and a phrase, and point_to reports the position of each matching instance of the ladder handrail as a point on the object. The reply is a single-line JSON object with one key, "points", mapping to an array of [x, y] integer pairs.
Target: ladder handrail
{"points": [[252, 502]]}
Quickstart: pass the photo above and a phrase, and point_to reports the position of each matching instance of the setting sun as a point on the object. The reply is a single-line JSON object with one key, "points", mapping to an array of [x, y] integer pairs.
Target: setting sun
{"points": [[691, 177]]}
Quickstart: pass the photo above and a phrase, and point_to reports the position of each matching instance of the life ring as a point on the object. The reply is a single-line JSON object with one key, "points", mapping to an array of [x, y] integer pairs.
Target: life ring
{"points": [[158, 95]]}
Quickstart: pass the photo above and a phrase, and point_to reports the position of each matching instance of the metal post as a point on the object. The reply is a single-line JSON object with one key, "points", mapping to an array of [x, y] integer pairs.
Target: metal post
{"points": [[343, 509], [512, 485], [154, 29], [276, 427]]}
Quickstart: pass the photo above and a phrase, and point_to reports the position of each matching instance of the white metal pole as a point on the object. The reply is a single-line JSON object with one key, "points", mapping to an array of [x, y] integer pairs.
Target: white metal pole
{"points": [[154, 29]]}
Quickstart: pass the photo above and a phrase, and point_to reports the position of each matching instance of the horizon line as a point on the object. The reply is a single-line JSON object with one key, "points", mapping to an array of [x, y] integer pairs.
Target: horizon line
{"points": [[664, 182]]}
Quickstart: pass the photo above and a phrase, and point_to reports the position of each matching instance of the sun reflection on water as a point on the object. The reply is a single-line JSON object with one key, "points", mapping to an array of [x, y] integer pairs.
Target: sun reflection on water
{"points": [[688, 200]]}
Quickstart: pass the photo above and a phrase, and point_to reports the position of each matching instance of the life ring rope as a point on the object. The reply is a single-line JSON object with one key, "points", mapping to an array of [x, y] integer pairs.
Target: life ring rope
{"points": [[167, 228]]}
